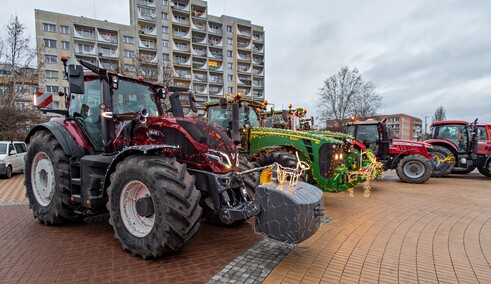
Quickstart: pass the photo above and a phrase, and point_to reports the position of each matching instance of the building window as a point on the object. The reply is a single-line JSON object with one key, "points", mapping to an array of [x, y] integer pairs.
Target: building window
{"points": [[165, 30], [49, 58], [230, 66], [165, 43], [230, 90], [229, 29], [229, 41], [164, 2], [51, 89], [129, 53], [51, 74], [230, 78], [229, 53], [166, 57], [65, 45], [148, 43], [129, 68], [129, 39], [49, 28], [147, 12], [146, 29], [165, 16], [50, 43], [64, 29], [86, 33]]}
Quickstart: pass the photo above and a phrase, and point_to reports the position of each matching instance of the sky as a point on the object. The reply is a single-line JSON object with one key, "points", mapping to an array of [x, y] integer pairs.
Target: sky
{"points": [[419, 54]]}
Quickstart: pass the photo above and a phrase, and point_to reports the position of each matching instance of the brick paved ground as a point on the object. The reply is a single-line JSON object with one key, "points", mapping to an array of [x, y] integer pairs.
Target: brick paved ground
{"points": [[435, 232], [439, 231]]}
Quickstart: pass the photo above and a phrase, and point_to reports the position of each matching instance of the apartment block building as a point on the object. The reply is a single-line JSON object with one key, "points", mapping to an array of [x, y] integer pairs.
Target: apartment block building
{"points": [[401, 126], [169, 41]]}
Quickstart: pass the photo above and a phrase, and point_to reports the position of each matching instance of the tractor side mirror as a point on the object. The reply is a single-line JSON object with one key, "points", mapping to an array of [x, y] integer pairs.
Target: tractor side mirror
{"points": [[76, 79], [192, 102], [175, 104], [223, 103]]}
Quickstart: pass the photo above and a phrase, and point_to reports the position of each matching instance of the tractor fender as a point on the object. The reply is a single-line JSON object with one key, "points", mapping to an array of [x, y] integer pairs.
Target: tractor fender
{"points": [[64, 137], [130, 151], [444, 143]]}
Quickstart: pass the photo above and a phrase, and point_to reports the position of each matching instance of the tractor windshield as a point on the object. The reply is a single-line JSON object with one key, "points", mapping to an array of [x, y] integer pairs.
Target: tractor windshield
{"points": [[455, 133], [221, 117], [132, 96]]}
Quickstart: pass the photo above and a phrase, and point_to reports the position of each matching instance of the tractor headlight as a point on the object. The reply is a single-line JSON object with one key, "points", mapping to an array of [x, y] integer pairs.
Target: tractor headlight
{"points": [[219, 157]]}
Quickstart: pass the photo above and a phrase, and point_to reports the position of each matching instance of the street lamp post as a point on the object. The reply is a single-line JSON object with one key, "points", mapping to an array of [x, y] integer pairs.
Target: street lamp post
{"points": [[424, 134]]}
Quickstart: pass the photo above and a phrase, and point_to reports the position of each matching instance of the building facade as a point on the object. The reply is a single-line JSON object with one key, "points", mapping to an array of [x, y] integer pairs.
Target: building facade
{"points": [[169, 41], [401, 126]]}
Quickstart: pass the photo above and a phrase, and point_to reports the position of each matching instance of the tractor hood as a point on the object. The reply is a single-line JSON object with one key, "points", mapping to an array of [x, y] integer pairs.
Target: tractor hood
{"points": [[294, 134], [404, 142], [196, 142]]}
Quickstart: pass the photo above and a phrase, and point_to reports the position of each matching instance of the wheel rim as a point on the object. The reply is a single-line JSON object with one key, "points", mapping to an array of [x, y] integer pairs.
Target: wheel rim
{"points": [[137, 225], [414, 169], [43, 179]]}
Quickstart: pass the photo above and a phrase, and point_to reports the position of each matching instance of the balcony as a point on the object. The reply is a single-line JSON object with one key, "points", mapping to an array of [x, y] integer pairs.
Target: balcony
{"points": [[244, 81], [199, 52], [84, 33], [200, 65], [199, 26], [85, 49], [216, 91], [108, 52], [110, 65], [244, 45], [199, 40], [216, 42], [148, 3], [259, 49], [215, 55], [216, 79], [107, 37], [243, 56], [147, 44], [243, 32], [200, 89], [200, 77], [244, 68], [258, 72], [198, 11], [180, 20], [258, 37], [244, 91], [146, 14], [179, 6], [182, 74], [258, 84], [148, 58], [258, 95], [147, 31], [258, 61], [182, 60], [215, 30], [180, 47], [178, 33]]}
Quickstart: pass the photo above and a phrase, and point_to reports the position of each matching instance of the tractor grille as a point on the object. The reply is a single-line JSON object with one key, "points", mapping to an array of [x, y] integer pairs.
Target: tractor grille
{"points": [[326, 166]]}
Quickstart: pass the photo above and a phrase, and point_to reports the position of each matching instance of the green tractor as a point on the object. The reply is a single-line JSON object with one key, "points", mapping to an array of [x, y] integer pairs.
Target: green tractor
{"points": [[361, 165], [266, 145]]}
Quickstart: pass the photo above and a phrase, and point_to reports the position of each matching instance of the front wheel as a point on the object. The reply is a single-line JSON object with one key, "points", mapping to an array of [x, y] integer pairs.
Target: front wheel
{"points": [[47, 179], [153, 205], [414, 169], [442, 168], [486, 170]]}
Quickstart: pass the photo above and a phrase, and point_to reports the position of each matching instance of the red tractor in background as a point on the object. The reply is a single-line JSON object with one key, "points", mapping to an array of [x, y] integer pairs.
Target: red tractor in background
{"points": [[118, 150], [468, 143], [412, 160]]}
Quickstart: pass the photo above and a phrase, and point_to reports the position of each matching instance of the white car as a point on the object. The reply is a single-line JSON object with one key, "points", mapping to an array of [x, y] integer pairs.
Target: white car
{"points": [[11, 157]]}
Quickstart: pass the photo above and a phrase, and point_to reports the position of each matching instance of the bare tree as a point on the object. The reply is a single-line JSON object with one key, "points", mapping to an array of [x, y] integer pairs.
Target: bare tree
{"points": [[439, 114], [345, 94], [18, 83]]}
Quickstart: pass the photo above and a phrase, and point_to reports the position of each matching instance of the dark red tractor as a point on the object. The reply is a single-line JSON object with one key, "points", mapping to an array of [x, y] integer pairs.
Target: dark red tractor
{"points": [[412, 160], [117, 150], [468, 143]]}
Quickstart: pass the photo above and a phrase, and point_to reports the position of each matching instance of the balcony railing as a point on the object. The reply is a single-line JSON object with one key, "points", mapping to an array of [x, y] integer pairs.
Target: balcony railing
{"points": [[148, 3], [199, 89], [199, 27], [215, 42], [258, 38], [245, 81], [199, 52], [215, 31], [200, 77], [244, 45], [199, 65], [243, 57], [199, 40], [180, 21], [216, 91], [258, 61], [179, 6], [198, 13], [216, 80], [244, 33], [106, 38]]}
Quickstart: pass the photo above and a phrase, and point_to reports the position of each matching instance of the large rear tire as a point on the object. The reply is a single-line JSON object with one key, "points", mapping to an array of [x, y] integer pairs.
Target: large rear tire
{"points": [[47, 180], [486, 170], [445, 168], [414, 169], [8, 172], [153, 205], [251, 181], [285, 159]]}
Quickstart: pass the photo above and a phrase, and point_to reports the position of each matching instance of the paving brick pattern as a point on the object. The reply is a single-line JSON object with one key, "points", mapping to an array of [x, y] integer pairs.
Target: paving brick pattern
{"points": [[437, 232]]}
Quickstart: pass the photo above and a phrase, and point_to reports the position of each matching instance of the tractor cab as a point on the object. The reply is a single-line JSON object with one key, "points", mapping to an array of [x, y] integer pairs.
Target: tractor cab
{"points": [[456, 132], [374, 135]]}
